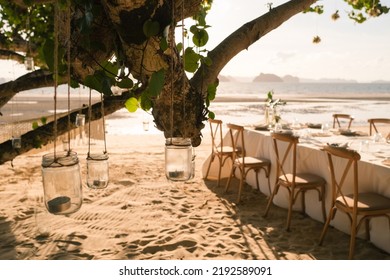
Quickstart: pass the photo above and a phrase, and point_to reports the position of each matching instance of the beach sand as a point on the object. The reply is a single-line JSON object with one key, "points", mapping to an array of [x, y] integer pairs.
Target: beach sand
{"points": [[141, 215]]}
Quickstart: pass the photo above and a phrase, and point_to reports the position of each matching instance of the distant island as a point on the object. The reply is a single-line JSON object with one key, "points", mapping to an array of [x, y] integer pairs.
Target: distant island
{"points": [[272, 78]]}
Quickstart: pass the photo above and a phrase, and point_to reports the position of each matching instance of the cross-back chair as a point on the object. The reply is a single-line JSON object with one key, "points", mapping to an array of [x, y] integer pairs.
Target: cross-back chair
{"points": [[219, 151], [339, 118], [244, 163], [373, 122], [285, 147], [359, 207]]}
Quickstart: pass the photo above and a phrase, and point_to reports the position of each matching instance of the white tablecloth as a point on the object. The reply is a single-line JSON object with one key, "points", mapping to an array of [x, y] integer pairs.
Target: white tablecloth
{"points": [[373, 175]]}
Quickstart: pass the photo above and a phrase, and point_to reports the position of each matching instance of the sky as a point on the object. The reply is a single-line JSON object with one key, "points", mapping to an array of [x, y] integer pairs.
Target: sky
{"points": [[347, 50]]}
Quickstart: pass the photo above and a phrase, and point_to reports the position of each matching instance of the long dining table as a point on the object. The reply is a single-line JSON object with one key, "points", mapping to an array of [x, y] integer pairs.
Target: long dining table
{"points": [[373, 171]]}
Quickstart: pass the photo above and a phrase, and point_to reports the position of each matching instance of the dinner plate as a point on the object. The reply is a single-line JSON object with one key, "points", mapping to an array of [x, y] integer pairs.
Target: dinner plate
{"points": [[314, 125], [261, 127], [386, 162], [348, 133]]}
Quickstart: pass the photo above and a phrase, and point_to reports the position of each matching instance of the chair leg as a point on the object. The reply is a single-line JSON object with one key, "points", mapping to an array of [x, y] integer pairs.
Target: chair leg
{"points": [[269, 183], [229, 179], [219, 171], [332, 214], [303, 204], [242, 180], [290, 206], [353, 238], [323, 202], [208, 168], [271, 198]]}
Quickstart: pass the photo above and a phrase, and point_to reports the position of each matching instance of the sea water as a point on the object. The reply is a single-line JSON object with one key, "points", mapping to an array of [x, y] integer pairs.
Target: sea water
{"points": [[243, 103]]}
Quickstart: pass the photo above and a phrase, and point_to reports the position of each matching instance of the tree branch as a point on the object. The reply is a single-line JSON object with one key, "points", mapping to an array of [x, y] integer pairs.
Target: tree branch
{"points": [[32, 80], [43, 135], [244, 37]]}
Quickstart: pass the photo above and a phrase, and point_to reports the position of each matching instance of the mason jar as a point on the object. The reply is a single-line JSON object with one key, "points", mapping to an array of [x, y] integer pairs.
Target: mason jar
{"points": [[97, 171], [29, 63], [178, 159], [17, 141], [61, 183]]}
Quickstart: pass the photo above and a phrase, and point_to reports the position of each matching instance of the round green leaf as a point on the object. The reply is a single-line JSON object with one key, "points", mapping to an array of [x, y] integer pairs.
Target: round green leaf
{"points": [[151, 28], [131, 104], [200, 38]]}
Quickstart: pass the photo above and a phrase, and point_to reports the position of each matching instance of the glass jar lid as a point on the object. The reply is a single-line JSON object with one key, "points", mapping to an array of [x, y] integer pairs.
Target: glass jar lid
{"points": [[178, 141], [61, 159], [103, 156]]}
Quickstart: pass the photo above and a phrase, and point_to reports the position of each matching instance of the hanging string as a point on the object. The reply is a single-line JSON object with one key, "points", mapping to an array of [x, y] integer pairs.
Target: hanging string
{"points": [[89, 122], [68, 36], [172, 66], [55, 69], [104, 123], [183, 59]]}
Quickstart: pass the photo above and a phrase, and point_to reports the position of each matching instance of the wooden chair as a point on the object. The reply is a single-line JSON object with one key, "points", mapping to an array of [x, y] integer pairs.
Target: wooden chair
{"points": [[245, 163], [285, 147], [218, 149], [374, 122], [337, 119], [360, 207]]}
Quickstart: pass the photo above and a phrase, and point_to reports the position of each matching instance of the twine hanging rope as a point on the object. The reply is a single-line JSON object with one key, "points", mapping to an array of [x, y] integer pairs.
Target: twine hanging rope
{"points": [[90, 120], [171, 41], [55, 70], [104, 122], [68, 36], [184, 67]]}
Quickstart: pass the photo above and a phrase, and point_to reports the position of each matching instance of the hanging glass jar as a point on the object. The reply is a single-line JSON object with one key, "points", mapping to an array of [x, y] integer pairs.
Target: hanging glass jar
{"points": [[80, 120], [16, 140], [62, 183], [29, 63], [97, 171], [178, 159]]}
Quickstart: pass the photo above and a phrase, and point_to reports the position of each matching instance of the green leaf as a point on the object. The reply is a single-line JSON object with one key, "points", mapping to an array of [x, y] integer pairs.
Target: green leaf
{"points": [[43, 120], [211, 115], [92, 82], [110, 69], [106, 86], [151, 28], [131, 104], [179, 47], [74, 84], [125, 83], [35, 125], [211, 91], [146, 103], [48, 53], [200, 38], [163, 44], [157, 82], [191, 59]]}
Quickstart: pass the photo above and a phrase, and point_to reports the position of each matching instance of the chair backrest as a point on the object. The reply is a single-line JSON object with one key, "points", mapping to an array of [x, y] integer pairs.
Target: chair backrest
{"points": [[236, 133], [337, 117], [375, 121], [216, 134], [285, 155], [351, 158]]}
